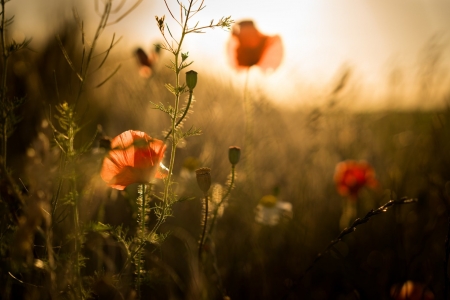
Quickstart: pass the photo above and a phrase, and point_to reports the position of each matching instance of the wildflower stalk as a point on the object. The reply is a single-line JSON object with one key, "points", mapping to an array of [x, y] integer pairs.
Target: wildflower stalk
{"points": [[65, 139], [101, 26], [7, 105], [216, 210], [54, 203], [77, 241], [205, 221], [191, 92], [349, 230], [5, 57], [177, 69], [142, 190]]}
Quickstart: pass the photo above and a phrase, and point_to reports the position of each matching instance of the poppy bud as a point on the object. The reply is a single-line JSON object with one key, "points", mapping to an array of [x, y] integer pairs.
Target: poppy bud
{"points": [[191, 79], [234, 154], [204, 178]]}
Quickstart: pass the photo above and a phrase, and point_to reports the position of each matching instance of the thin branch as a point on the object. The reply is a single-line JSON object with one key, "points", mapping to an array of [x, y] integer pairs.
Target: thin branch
{"points": [[125, 13], [109, 77], [200, 7], [182, 117], [109, 48], [119, 7], [349, 230], [107, 52], [205, 220], [173, 17], [67, 57], [230, 187]]}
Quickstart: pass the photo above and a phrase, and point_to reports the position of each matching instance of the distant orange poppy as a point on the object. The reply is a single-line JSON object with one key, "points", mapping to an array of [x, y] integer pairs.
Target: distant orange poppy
{"points": [[350, 176], [248, 47], [147, 62], [134, 158]]}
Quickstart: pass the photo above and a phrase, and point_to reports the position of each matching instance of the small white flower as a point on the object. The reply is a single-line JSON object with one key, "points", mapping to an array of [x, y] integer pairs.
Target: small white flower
{"points": [[269, 211]]}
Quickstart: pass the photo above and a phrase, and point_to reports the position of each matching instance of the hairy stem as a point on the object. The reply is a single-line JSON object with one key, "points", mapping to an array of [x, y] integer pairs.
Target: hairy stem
{"points": [[205, 220], [183, 116], [141, 236], [168, 180], [216, 210]]}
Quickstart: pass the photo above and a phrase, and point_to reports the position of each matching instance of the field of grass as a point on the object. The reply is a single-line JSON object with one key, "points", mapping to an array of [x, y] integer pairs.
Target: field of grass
{"points": [[65, 234]]}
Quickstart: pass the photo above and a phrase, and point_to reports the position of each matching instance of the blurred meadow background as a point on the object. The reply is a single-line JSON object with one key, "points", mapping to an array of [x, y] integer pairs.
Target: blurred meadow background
{"points": [[364, 81]]}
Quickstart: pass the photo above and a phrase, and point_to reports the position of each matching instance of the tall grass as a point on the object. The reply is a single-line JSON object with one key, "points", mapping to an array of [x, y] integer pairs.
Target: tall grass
{"points": [[64, 234]]}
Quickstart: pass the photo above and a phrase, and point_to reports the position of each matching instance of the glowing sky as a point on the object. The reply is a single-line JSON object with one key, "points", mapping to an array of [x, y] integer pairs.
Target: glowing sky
{"points": [[320, 36]]}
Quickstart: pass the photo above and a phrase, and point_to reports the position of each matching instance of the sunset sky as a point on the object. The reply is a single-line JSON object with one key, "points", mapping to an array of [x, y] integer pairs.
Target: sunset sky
{"points": [[320, 36]]}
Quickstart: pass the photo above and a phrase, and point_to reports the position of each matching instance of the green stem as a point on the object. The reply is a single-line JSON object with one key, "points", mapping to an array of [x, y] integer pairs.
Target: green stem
{"points": [[62, 167], [168, 181], [141, 239], [5, 56], [205, 220], [99, 30], [183, 116], [76, 219], [216, 210]]}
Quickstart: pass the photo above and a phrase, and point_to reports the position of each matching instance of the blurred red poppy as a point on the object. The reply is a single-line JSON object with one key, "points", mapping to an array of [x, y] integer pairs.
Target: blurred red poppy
{"points": [[412, 291], [134, 158], [350, 176], [248, 47], [147, 62]]}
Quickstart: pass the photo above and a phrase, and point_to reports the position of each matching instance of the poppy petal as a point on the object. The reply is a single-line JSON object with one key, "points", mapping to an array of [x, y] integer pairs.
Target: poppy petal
{"points": [[135, 158], [248, 47], [272, 55]]}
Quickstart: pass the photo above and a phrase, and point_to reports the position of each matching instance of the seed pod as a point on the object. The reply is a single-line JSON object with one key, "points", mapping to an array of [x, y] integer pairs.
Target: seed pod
{"points": [[234, 154], [191, 79], [204, 178]]}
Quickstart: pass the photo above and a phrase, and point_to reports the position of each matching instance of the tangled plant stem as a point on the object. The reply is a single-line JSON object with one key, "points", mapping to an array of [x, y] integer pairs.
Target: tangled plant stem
{"points": [[349, 230]]}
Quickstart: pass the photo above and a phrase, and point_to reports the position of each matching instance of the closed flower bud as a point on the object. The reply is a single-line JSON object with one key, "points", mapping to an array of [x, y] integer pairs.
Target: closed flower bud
{"points": [[191, 79], [204, 178], [234, 154]]}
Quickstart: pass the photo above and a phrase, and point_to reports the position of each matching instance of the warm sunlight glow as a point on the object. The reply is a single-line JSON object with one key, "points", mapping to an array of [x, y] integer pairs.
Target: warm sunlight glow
{"points": [[320, 38]]}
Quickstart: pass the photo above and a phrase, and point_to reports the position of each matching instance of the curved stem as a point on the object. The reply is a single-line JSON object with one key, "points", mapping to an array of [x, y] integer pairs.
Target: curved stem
{"points": [[205, 220], [183, 116], [141, 237], [348, 230]]}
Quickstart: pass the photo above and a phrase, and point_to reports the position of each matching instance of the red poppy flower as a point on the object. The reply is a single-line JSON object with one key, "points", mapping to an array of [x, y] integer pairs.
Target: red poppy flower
{"points": [[248, 47], [350, 176], [147, 62], [412, 291], [134, 158]]}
